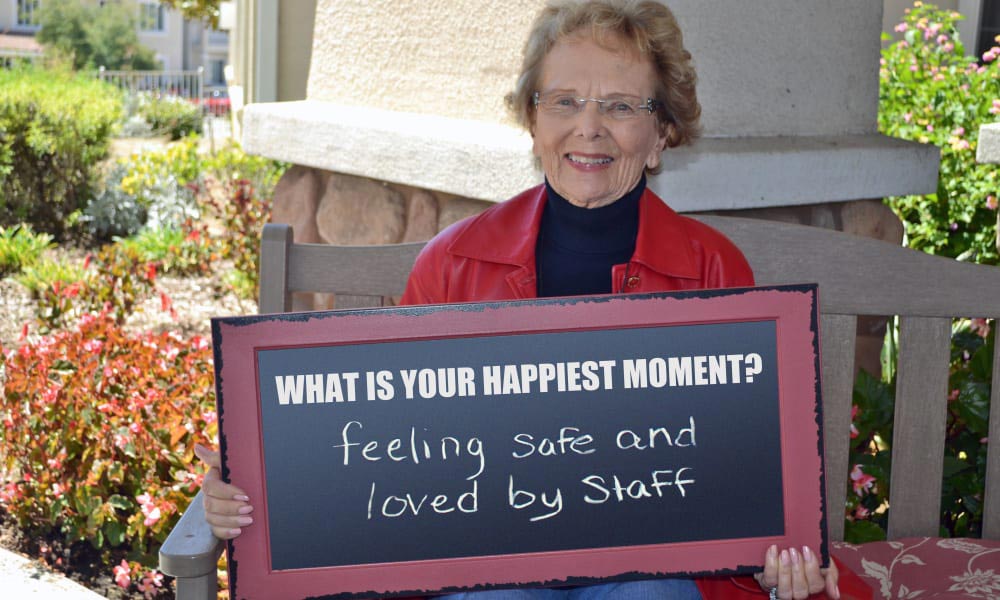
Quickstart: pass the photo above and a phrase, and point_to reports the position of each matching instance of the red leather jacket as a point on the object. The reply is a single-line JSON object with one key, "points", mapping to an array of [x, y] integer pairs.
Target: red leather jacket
{"points": [[491, 256]]}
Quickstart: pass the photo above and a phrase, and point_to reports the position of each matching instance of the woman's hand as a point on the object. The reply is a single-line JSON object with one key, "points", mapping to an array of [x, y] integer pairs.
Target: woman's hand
{"points": [[797, 574], [227, 507]]}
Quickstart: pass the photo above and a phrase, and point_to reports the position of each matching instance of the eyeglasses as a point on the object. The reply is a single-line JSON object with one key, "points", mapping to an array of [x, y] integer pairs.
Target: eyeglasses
{"points": [[621, 108]]}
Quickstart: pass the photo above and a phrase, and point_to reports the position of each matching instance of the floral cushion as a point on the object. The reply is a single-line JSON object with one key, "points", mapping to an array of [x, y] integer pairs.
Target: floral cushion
{"points": [[922, 567]]}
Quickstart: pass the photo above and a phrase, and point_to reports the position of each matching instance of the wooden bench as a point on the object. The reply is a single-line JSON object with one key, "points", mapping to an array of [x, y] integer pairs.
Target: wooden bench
{"points": [[856, 276]]}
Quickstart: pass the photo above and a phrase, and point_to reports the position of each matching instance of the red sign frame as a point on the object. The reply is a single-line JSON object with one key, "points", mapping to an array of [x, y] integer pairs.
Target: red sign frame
{"points": [[793, 308]]}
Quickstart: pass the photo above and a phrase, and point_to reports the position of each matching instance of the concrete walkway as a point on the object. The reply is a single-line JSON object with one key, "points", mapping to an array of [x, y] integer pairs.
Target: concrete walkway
{"points": [[21, 577]]}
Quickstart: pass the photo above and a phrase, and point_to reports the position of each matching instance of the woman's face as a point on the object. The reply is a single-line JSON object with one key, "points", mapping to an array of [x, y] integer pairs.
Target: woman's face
{"points": [[589, 158]]}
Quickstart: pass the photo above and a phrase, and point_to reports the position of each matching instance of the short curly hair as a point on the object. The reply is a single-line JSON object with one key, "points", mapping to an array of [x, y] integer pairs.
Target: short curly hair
{"points": [[647, 26]]}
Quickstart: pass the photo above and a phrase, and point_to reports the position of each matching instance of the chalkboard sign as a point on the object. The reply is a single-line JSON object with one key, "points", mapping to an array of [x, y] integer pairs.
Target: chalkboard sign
{"points": [[395, 451]]}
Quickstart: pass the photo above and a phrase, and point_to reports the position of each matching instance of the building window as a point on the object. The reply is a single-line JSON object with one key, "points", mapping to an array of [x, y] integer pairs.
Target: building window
{"points": [[989, 26], [27, 13], [152, 17], [217, 72]]}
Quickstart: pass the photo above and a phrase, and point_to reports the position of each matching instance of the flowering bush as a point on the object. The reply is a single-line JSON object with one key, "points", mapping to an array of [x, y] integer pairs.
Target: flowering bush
{"points": [[115, 281], [931, 92], [965, 447], [100, 427]]}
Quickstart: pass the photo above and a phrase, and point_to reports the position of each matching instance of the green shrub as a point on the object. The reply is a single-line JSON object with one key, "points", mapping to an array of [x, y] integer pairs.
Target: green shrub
{"points": [[54, 128], [179, 251], [172, 115], [20, 247], [99, 431], [47, 273], [229, 186], [113, 212], [114, 281], [931, 92], [238, 194]]}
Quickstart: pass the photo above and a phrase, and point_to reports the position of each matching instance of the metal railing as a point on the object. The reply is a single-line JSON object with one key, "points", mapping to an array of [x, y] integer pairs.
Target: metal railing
{"points": [[189, 85]]}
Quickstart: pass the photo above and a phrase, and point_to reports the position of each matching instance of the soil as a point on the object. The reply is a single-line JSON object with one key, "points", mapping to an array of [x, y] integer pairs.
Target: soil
{"points": [[195, 300]]}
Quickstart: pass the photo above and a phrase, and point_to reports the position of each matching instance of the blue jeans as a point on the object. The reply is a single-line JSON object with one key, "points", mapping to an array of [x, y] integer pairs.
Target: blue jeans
{"points": [[653, 589]]}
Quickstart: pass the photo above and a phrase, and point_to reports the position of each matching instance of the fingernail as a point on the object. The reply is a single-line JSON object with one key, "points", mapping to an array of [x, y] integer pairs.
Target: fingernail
{"points": [[784, 557], [772, 552], [235, 531], [241, 498], [245, 510], [807, 553], [244, 520], [836, 590], [795, 556]]}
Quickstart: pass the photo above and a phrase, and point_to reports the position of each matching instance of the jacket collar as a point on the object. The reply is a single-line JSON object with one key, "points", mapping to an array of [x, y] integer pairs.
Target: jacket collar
{"points": [[507, 233]]}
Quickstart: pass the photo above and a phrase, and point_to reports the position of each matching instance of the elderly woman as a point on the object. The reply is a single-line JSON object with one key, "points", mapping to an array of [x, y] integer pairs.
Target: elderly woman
{"points": [[606, 86]]}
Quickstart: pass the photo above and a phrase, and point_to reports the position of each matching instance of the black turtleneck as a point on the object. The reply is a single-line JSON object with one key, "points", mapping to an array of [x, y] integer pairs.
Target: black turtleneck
{"points": [[578, 246]]}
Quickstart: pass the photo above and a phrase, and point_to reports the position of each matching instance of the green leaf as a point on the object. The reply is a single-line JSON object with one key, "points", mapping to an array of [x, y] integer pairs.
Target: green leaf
{"points": [[859, 532]]}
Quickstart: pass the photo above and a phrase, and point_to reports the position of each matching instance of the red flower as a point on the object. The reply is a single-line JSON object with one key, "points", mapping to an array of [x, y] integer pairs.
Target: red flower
{"points": [[150, 271]]}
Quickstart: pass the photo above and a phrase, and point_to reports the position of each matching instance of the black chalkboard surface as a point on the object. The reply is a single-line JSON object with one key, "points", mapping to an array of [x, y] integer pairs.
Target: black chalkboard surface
{"points": [[477, 460], [413, 450]]}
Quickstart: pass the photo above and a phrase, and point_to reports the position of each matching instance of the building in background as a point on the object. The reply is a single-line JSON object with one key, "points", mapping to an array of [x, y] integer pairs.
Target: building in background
{"points": [[179, 44]]}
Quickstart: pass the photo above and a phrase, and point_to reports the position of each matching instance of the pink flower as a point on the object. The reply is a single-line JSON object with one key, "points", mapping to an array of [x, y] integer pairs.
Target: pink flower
{"points": [[908, 117], [942, 38], [901, 28], [152, 517], [913, 68], [981, 326], [995, 109], [149, 509], [953, 395], [959, 131], [122, 575], [960, 145], [93, 346], [948, 47], [991, 202], [860, 512], [862, 481], [930, 127], [151, 581], [120, 441], [854, 413], [58, 490]]}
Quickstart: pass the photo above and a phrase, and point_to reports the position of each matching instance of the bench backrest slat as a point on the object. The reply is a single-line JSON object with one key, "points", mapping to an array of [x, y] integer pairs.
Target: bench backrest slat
{"points": [[854, 274], [991, 504], [838, 334], [921, 407]]}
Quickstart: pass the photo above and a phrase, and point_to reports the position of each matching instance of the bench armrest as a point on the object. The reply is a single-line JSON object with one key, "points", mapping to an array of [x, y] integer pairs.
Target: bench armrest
{"points": [[191, 553]]}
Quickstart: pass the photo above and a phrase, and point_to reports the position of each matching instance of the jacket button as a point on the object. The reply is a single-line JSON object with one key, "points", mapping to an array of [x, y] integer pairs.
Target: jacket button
{"points": [[632, 281]]}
